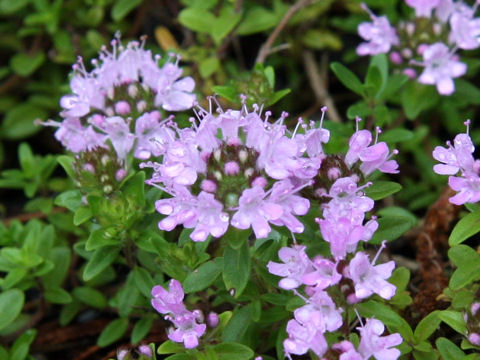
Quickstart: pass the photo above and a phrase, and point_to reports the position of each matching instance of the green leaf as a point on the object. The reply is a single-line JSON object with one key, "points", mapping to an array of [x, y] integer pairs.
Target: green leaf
{"points": [[465, 228], [382, 189], [90, 296], [69, 312], [448, 350], [27, 160], [417, 97], [204, 276], [227, 92], [397, 135], [20, 348], [454, 319], [348, 78], [236, 238], [123, 7], [81, 215], [67, 163], [393, 321], [233, 351], [238, 324], [208, 66], [113, 332], [236, 268], [11, 304], [57, 296], [427, 326], [12, 6], [257, 19], [373, 81], [71, 199], [135, 188], [143, 280], [181, 356], [14, 277], [360, 108], [100, 260], [468, 262], [321, 39], [199, 20], [141, 329], [61, 257], [400, 278], [25, 64], [224, 24], [102, 237], [277, 95], [170, 347], [19, 121], [391, 228]]}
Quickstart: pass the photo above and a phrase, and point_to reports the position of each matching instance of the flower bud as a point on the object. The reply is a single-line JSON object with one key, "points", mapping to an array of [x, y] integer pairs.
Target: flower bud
{"points": [[145, 350], [213, 320], [474, 339], [122, 107], [232, 168]]}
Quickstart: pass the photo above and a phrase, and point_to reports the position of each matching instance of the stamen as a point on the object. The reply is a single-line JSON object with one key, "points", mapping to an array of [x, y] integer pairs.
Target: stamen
{"points": [[383, 246], [357, 122], [378, 131], [323, 110], [359, 317], [467, 124]]}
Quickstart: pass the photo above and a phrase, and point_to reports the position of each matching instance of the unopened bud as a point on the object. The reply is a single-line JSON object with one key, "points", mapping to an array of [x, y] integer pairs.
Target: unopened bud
{"points": [[132, 90], [208, 186], [122, 354], [333, 173], [145, 350], [243, 156], [259, 181], [122, 107], [213, 320], [232, 168], [474, 339], [89, 167], [474, 308], [120, 174], [396, 58], [141, 106]]}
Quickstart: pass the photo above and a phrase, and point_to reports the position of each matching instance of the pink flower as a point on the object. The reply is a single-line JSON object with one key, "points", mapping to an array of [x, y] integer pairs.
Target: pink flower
{"points": [[168, 301], [304, 337], [465, 31], [295, 264], [372, 344], [255, 211], [456, 157], [379, 34], [440, 68], [423, 8], [369, 279], [187, 329]]}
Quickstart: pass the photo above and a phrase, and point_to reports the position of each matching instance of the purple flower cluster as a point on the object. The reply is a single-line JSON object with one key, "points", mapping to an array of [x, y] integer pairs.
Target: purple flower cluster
{"points": [[458, 158], [343, 226], [235, 168], [186, 323], [410, 44], [117, 102]]}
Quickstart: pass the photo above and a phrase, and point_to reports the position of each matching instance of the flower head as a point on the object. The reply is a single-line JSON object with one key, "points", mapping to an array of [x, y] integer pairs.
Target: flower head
{"points": [[250, 169], [440, 68], [379, 34], [372, 344]]}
